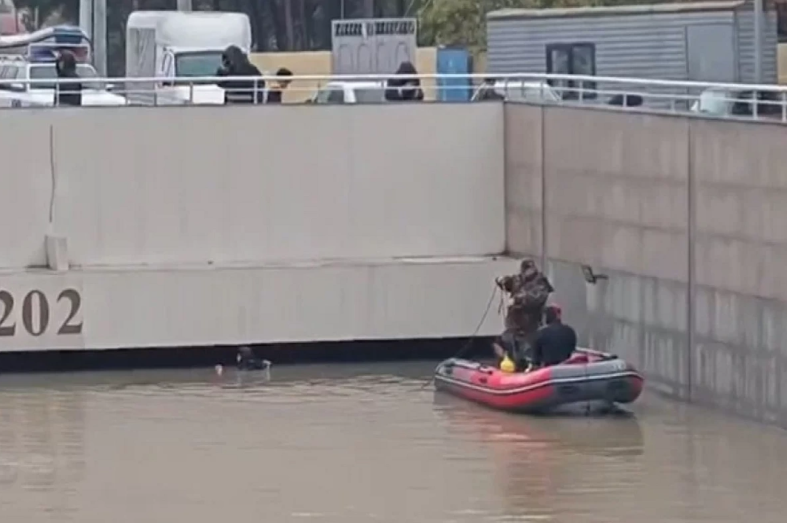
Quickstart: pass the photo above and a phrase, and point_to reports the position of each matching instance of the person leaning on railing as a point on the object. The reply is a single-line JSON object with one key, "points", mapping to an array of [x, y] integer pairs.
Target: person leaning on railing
{"points": [[234, 62], [404, 89], [275, 93], [487, 91], [66, 67]]}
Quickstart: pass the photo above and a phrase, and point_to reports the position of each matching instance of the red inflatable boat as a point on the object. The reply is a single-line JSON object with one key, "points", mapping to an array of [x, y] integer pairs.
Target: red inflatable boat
{"points": [[589, 379]]}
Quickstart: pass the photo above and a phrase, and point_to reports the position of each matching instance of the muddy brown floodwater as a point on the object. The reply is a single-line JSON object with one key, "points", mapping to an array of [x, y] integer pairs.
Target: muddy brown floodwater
{"points": [[358, 443]]}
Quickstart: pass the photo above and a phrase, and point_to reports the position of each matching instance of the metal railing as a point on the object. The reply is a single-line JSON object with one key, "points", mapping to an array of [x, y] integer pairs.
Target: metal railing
{"points": [[710, 99]]}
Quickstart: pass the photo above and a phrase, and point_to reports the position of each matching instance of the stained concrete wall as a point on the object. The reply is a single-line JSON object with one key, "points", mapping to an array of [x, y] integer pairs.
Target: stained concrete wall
{"points": [[105, 308], [740, 356], [141, 186], [686, 217], [224, 225]]}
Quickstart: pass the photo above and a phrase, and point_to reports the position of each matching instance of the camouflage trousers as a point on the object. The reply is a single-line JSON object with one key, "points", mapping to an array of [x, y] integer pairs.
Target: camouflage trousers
{"points": [[518, 345]]}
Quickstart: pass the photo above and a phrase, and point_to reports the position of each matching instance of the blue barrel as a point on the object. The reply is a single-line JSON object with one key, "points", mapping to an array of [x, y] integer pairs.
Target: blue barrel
{"points": [[453, 60]]}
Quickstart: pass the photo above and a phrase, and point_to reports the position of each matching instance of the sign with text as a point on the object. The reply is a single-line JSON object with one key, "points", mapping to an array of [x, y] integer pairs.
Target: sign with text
{"points": [[40, 314]]}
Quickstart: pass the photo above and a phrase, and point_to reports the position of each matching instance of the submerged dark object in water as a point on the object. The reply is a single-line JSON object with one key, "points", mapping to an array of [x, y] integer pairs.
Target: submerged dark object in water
{"points": [[246, 360], [589, 379]]}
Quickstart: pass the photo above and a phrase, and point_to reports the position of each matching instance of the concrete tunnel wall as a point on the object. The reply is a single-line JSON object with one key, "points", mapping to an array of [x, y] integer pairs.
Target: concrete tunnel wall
{"points": [[676, 211], [168, 185]]}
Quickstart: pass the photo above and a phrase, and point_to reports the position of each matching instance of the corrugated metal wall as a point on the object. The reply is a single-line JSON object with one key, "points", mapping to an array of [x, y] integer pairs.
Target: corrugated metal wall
{"points": [[652, 46], [745, 20], [645, 46]]}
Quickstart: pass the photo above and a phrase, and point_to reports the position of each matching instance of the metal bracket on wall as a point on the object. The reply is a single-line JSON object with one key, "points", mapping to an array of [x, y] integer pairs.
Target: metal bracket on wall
{"points": [[590, 276]]}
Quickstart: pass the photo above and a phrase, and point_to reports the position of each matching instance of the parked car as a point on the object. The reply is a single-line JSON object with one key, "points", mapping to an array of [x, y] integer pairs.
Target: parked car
{"points": [[350, 93], [724, 102], [518, 91], [32, 84]]}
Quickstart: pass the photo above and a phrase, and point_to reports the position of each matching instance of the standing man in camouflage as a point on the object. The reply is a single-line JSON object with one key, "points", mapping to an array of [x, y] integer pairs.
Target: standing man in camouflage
{"points": [[528, 291]]}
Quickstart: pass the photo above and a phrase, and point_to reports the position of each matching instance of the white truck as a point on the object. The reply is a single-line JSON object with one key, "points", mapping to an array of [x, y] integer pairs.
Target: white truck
{"points": [[174, 47]]}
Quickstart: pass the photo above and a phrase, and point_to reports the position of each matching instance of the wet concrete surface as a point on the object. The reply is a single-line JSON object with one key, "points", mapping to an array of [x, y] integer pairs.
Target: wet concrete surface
{"points": [[362, 442]]}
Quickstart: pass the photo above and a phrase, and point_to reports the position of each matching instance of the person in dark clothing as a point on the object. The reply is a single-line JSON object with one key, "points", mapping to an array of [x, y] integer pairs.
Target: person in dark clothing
{"points": [[247, 360], [404, 89], [487, 92], [234, 62], [274, 95], [555, 342], [68, 93]]}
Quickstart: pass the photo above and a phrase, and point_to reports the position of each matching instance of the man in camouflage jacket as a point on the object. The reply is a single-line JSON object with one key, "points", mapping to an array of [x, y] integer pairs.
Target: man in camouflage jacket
{"points": [[528, 291]]}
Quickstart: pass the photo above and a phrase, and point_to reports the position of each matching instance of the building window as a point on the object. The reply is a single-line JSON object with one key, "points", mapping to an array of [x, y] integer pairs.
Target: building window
{"points": [[576, 58], [781, 20]]}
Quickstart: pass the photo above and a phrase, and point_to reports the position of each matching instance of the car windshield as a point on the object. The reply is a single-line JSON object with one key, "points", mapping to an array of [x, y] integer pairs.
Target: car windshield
{"points": [[197, 64], [48, 72]]}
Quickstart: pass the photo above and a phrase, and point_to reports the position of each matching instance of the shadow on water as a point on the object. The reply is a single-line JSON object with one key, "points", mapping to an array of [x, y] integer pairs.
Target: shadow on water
{"points": [[279, 354], [316, 374], [613, 435]]}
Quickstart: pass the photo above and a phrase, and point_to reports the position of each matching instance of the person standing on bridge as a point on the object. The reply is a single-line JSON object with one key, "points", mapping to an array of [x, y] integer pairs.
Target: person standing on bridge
{"points": [[528, 291], [234, 62], [275, 93], [66, 68]]}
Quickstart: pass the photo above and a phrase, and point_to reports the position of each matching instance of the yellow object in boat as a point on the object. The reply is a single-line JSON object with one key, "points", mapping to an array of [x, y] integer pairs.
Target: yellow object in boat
{"points": [[507, 365]]}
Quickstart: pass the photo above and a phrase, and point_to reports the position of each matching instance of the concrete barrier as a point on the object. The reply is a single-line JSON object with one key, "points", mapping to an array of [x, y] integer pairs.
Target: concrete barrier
{"points": [[685, 216], [202, 226], [198, 306], [740, 336], [524, 177], [225, 185], [618, 203], [27, 183]]}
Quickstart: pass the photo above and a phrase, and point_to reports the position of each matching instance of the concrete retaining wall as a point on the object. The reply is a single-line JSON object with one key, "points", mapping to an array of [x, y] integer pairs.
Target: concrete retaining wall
{"points": [[225, 225], [183, 307], [222, 185], [677, 212]]}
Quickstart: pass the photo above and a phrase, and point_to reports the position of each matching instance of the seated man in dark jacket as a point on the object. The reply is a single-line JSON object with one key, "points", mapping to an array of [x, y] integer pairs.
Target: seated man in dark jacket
{"points": [[404, 89], [234, 62], [555, 342], [67, 93]]}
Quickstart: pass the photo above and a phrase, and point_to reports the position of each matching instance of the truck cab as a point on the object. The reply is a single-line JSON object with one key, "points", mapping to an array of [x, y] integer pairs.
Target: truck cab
{"points": [[175, 48]]}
